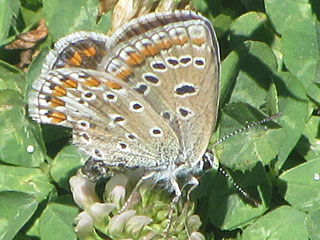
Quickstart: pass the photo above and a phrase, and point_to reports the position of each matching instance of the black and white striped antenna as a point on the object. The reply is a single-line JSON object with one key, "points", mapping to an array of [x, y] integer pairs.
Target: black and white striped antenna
{"points": [[223, 172]]}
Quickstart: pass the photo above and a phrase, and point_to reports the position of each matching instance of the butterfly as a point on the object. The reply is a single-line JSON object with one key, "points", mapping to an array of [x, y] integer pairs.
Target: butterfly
{"points": [[145, 97]]}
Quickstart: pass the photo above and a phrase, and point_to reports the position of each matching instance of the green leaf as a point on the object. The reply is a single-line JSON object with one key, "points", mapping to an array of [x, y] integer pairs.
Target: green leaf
{"points": [[16, 209], [300, 186], [35, 69], [257, 65], [26, 180], [257, 5], [301, 54], [313, 225], [64, 17], [272, 103], [222, 23], [65, 164], [308, 145], [212, 7], [250, 26], [56, 220], [21, 141], [247, 77], [11, 78], [247, 74], [242, 151], [300, 43], [228, 209], [7, 9], [32, 14], [10, 98], [282, 223], [104, 23], [293, 106], [284, 13]]}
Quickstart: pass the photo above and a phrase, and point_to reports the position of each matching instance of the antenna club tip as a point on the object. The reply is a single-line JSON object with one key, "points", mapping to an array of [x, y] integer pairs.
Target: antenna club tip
{"points": [[255, 202], [276, 115]]}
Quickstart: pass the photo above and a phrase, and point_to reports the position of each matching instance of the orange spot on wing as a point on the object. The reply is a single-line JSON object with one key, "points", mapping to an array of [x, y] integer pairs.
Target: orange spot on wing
{"points": [[134, 58], [75, 60], [55, 102], [89, 52], [58, 91], [56, 117], [150, 50], [69, 83], [113, 85], [123, 73], [183, 39], [167, 43], [164, 44], [198, 41], [176, 40], [92, 82]]}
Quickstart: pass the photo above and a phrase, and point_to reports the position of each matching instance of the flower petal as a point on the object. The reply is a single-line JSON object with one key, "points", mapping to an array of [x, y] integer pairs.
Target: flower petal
{"points": [[99, 211], [116, 180], [117, 195], [84, 225], [117, 223], [196, 236], [83, 191], [193, 223], [136, 224]]}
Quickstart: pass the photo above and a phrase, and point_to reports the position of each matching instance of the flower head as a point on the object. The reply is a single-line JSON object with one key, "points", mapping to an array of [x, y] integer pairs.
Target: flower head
{"points": [[145, 216]]}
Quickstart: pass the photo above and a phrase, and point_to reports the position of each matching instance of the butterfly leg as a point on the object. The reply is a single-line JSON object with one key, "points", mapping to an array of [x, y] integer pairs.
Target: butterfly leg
{"points": [[194, 182], [135, 189], [173, 203]]}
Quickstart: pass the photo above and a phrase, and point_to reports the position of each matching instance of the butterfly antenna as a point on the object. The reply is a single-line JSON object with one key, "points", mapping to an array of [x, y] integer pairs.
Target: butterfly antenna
{"points": [[223, 172], [251, 125], [239, 189]]}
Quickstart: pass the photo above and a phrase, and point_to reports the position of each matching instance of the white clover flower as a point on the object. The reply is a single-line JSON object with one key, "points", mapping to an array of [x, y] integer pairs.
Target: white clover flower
{"points": [[84, 226], [100, 211], [83, 191], [144, 217]]}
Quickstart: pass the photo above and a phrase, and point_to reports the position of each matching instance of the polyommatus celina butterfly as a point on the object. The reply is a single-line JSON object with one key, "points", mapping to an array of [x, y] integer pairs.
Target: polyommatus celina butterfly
{"points": [[146, 97]]}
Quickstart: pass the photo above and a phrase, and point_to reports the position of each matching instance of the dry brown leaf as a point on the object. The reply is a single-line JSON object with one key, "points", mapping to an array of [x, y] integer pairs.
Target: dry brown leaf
{"points": [[27, 41], [20, 44], [105, 6], [146, 8], [166, 6], [124, 11]]}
